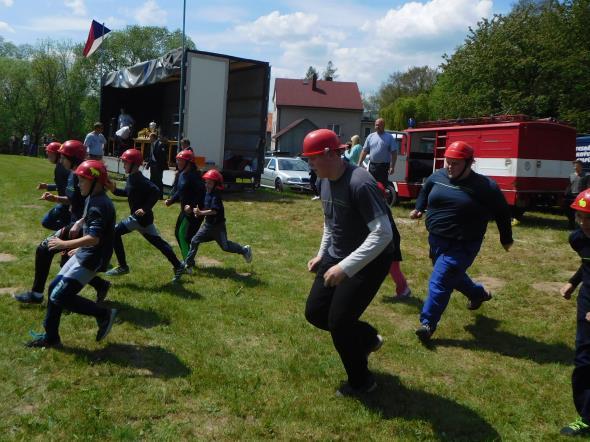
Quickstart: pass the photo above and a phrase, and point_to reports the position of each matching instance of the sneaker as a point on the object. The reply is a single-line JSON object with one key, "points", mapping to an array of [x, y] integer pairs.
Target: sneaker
{"points": [[178, 271], [576, 428], [247, 253], [315, 198], [474, 304], [102, 293], [376, 345], [118, 271], [189, 268], [104, 326], [40, 341], [29, 297], [424, 332], [348, 390], [405, 294]]}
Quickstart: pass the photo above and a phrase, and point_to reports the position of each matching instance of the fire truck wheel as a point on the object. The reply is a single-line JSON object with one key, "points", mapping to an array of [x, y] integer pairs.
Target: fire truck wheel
{"points": [[278, 185]]}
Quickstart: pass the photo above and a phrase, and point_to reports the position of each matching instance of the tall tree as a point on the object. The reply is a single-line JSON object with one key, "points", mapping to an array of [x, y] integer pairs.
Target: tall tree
{"points": [[330, 72], [311, 71]]}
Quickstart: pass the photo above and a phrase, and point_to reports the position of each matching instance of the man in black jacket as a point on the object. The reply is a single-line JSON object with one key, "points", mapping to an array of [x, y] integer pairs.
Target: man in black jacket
{"points": [[158, 162]]}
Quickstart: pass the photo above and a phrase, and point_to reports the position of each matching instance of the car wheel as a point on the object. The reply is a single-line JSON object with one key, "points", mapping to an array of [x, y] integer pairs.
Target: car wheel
{"points": [[278, 185]]}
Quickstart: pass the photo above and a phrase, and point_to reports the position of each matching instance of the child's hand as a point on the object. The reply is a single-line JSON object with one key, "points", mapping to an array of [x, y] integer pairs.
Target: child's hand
{"points": [[139, 212], [567, 290], [41, 186], [197, 211], [72, 252], [47, 196], [168, 202], [187, 209], [588, 316], [56, 244]]}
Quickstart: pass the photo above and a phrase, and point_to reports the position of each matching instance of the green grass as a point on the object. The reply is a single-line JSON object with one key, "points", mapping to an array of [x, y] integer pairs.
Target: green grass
{"points": [[229, 355]]}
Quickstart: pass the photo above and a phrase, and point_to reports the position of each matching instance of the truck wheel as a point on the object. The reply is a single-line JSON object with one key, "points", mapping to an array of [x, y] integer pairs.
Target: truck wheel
{"points": [[279, 185]]}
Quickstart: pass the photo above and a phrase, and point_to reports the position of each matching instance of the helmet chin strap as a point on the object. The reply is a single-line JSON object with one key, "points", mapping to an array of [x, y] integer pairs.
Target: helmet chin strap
{"points": [[467, 164]]}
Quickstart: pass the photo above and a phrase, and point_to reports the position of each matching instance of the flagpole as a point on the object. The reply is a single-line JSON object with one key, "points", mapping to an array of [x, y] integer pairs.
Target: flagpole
{"points": [[181, 98]]}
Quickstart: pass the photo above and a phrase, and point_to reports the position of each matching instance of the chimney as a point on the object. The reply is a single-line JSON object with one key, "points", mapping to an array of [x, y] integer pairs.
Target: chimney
{"points": [[328, 78], [314, 81]]}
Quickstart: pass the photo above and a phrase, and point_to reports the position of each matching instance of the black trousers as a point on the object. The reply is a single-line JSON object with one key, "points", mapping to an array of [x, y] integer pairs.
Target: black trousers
{"points": [[581, 374], [156, 175], [338, 309], [380, 172], [157, 241]]}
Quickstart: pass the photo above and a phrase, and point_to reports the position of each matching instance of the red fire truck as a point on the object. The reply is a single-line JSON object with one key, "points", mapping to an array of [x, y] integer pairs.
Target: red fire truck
{"points": [[531, 160]]}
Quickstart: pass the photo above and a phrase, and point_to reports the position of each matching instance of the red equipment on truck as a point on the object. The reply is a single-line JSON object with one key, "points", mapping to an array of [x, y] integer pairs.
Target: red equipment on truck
{"points": [[531, 160]]}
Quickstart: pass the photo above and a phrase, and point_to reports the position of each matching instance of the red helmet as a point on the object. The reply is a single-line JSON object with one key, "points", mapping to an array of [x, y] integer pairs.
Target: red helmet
{"points": [[214, 175], [320, 141], [53, 147], [459, 150], [73, 149], [582, 202], [92, 170], [186, 155], [132, 156]]}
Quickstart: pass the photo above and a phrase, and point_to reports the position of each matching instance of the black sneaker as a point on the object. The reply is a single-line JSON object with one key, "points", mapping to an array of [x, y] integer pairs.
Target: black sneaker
{"points": [[348, 390], [178, 271], [576, 428], [102, 293], [104, 326], [424, 332], [40, 341], [474, 304], [29, 297]]}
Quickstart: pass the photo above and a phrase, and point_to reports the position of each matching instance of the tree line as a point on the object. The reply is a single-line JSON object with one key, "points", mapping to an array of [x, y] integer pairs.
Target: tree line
{"points": [[50, 89]]}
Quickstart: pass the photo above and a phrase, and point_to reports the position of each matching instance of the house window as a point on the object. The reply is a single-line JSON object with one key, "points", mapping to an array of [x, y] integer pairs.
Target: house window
{"points": [[367, 131], [335, 128]]}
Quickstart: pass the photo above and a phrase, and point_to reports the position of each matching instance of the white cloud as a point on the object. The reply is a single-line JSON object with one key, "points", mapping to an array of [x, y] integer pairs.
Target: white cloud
{"points": [[218, 14], [77, 6], [7, 3], [49, 24], [5, 27], [151, 14], [269, 28]]}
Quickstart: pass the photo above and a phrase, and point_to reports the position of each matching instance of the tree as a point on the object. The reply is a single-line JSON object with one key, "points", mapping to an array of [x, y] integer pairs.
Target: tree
{"points": [[311, 71], [330, 72], [414, 81]]}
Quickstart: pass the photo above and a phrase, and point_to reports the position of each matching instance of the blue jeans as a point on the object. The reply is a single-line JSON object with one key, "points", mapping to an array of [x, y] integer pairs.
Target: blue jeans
{"points": [[59, 216], [451, 258], [212, 232]]}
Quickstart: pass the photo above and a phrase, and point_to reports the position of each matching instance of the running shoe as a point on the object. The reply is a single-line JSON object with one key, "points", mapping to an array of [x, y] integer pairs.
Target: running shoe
{"points": [[104, 326], [424, 332], [474, 304], [576, 428], [29, 297], [40, 341], [178, 271], [247, 253], [348, 390], [118, 271], [405, 294], [376, 345]]}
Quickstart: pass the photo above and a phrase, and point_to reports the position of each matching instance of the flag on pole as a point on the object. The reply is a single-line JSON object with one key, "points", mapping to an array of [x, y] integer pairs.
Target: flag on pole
{"points": [[95, 38]]}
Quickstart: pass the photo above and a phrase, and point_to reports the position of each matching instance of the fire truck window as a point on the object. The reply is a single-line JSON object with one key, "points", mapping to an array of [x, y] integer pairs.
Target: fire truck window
{"points": [[426, 145]]}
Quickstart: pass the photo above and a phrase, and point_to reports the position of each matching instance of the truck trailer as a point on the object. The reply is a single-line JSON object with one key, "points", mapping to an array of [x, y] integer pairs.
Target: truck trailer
{"points": [[225, 106]]}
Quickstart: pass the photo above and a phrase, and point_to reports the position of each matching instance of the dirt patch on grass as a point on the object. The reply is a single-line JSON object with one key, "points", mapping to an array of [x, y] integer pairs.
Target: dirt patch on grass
{"points": [[6, 257], [31, 206], [8, 290], [208, 262], [490, 283], [405, 221], [548, 286]]}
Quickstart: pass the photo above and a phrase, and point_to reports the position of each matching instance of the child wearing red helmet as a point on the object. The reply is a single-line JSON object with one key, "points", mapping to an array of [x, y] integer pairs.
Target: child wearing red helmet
{"points": [[213, 229], [580, 241], [90, 252], [142, 194], [59, 215]]}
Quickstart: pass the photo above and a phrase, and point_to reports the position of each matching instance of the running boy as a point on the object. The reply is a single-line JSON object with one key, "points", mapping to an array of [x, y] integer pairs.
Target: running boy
{"points": [[142, 195], [59, 216], [580, 242], [214, 227], [92, 252]]}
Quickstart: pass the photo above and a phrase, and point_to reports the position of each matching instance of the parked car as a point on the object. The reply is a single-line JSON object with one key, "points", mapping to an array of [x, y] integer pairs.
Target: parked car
{"points": [[279, 173]]}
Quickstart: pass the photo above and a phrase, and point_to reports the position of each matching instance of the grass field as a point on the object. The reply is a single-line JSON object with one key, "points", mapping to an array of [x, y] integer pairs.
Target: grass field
{"points": [[228, 355]]}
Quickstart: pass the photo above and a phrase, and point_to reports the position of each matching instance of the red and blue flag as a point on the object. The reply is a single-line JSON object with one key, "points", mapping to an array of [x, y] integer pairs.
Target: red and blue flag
{"points": [[95, 38]]}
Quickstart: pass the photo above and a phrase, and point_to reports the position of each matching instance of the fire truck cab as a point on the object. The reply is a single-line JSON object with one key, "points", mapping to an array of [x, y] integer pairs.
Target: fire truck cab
{"points": [[531, 160]]}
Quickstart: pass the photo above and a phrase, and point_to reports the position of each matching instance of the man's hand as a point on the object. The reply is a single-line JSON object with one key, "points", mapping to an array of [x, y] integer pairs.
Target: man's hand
{"points": [[56, 244], [139, 212], [415, 214], [391, 169], [567, 290], [41, 186], [507, 246], [334, 276], [313, 263]]}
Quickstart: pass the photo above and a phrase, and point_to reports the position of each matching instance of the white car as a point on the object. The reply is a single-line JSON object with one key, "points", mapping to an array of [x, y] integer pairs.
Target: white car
{"points": [[282, 172]]}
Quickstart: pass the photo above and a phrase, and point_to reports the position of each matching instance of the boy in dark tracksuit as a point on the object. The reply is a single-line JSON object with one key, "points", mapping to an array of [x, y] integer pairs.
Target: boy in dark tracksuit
{"points": [[214, 227], [72, 153], [93, 251], [460, 203], [59, 215], [143, 195], [580, 242], [190, 192]]}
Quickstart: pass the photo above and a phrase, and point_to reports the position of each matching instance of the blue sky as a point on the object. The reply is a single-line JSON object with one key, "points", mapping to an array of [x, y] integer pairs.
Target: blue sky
{"points": [[366, 40]]}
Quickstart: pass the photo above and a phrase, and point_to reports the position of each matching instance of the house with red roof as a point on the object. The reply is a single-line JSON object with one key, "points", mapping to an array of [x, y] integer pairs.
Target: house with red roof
{"points": [[300, 106]]}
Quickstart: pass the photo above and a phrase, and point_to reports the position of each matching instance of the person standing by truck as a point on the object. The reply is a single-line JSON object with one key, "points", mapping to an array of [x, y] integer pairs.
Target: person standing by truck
{"points": [[382, 148], [158, 161], [95, 142], [578, 183], [460, 203], [580, 241]]}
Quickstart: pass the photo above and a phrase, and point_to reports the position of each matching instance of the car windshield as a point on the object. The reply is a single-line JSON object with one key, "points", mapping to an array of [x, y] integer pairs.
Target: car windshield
{"points": [[294, 164]]}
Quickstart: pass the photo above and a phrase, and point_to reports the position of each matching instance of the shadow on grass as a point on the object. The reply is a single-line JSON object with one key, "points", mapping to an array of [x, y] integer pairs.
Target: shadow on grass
{"points": [[248, 279], [411, 301], [152, 361], [537, 221], [449, 420], [173, 289], [140, 317], [488, 338], [265, 196]]}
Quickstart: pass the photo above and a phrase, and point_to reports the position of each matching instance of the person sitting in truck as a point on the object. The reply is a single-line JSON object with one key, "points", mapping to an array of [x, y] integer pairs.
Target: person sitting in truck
{"points": [[578, 183], [460, 203]]}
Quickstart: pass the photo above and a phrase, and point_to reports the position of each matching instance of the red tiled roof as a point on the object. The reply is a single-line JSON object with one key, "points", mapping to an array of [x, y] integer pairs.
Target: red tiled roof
{"points": [[327, 94]]}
